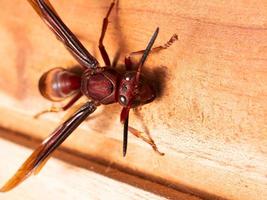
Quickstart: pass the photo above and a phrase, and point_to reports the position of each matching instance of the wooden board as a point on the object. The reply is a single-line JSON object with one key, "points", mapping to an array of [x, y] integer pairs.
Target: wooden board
{"points": [[211, 111], [81, 179]]}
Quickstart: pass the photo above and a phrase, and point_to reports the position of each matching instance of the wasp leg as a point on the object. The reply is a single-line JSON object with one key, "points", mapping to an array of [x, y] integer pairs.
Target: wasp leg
{"points": [[58, 109], [145, 137], [101, 47], [128, 60]]}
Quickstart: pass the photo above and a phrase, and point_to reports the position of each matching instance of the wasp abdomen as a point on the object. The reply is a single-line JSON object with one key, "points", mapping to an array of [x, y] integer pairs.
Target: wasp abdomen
{"points": [[58, 83]]}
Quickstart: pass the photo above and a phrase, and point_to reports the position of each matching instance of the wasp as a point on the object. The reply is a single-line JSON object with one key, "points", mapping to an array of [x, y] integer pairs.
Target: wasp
{"points": [[101, 84]]}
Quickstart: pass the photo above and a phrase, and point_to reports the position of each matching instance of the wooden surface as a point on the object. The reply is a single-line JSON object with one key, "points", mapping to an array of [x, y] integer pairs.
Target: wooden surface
{"points": [[211, 111], [81, 179]]}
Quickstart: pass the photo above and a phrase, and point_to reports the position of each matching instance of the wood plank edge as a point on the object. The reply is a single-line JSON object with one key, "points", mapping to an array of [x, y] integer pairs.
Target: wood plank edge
{"points": [[110, 171]]}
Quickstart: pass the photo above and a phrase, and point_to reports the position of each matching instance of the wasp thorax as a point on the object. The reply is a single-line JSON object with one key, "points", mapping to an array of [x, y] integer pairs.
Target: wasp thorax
{"points": [[58, 83]]}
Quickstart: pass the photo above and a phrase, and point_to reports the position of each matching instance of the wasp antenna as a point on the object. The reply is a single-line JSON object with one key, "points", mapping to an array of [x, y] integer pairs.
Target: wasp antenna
{"points": [[146, 52], [125, 135]]}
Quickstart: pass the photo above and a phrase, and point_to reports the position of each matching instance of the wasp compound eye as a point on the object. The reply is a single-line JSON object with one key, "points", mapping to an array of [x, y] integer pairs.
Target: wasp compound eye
{"points": [[123, 100]]}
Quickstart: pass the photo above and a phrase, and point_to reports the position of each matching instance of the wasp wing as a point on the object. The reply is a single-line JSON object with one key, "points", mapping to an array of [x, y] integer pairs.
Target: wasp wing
{"points": [[40, 156], [46, 11]]}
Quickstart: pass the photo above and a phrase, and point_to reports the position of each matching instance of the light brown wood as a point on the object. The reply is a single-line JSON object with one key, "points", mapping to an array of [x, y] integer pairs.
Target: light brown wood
{"points": [[210, 115], [84, 180]]}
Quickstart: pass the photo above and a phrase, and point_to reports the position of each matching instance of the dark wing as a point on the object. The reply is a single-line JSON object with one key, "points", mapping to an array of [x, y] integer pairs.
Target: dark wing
{"points": [[39, 157], [63, 33]]}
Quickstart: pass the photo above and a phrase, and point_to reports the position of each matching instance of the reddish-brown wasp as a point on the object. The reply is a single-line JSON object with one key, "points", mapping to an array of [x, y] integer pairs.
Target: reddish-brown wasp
{"points": [[102, 85]]}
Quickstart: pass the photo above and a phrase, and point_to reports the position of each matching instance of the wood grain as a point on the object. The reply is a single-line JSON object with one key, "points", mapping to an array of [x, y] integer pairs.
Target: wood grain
{"points": [[76, 179], [211, 112]]}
